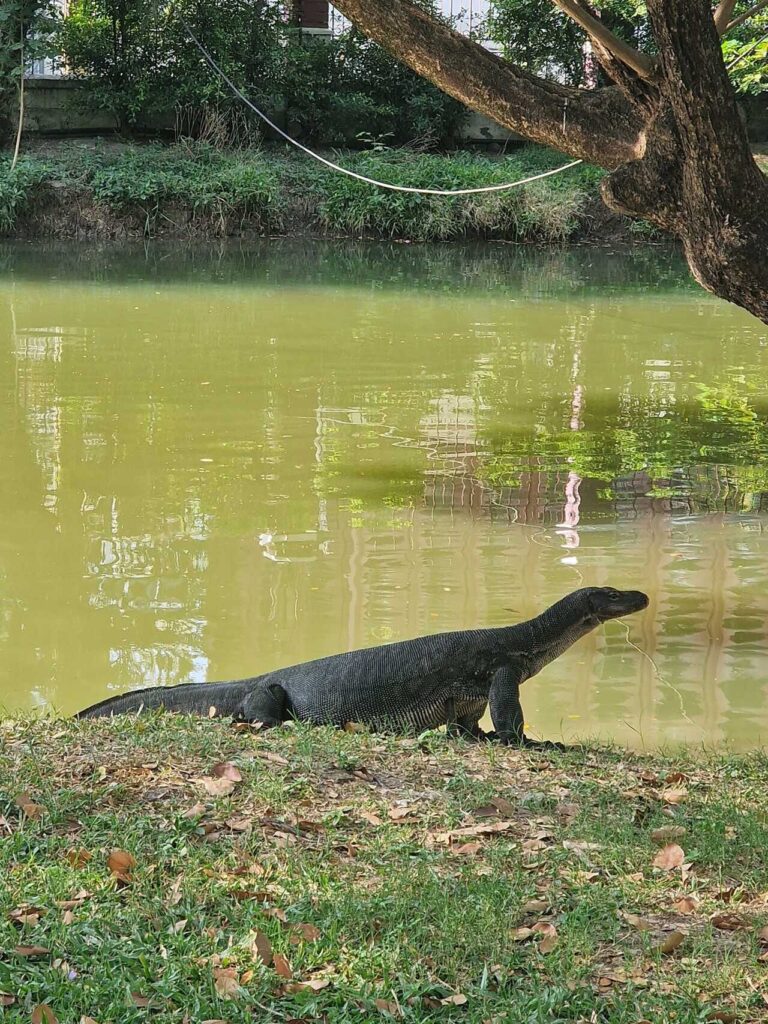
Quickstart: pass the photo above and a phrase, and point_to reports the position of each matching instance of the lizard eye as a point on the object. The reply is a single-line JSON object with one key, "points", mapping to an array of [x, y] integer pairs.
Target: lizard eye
{"points": [[614, 595]]}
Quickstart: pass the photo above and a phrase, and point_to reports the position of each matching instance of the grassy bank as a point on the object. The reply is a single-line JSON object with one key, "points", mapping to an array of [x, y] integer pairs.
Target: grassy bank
{"points": [[329, 876], [109, 189]]}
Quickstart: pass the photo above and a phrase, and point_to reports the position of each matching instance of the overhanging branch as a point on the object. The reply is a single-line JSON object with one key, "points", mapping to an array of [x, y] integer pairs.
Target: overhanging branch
{"points": [[745, 16], [723, 15], [639, 62], [599, 126]]}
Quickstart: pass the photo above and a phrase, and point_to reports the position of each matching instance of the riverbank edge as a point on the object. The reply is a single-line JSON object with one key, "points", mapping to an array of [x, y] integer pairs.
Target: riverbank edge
{"points": [[213, 871], [103, 190]]}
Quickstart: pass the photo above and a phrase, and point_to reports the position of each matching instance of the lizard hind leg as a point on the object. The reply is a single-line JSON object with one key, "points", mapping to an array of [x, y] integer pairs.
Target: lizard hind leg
{"points": [[267, 704]]}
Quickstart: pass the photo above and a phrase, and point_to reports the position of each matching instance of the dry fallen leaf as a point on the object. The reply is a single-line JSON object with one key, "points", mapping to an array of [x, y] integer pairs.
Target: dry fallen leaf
{"points": [[724, 1016], [282, 967], [535, 906], [217, 787], [6, 999], [641, 923], [306, 931], [549, 936], [79, 857], [521, 934], [456, 1000], [728, 922], [674, 796], [386, 1007], [87, 1020], [43, 1012], [227, 770], [30, 951], [490, 829], [121, 863], [671, 942], [28, 806], [669, 857], [371, 818], [396, 813], [226, 982], [468, 849], [668, 833], [686, 905], [260, 947]]}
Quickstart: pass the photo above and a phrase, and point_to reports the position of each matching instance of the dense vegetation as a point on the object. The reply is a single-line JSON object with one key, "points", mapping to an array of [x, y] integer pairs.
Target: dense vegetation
{"points": [[225, 192]]}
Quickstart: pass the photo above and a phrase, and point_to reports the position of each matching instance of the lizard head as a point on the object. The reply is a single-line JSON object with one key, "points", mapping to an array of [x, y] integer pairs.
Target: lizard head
{"points": [[606, 603]]}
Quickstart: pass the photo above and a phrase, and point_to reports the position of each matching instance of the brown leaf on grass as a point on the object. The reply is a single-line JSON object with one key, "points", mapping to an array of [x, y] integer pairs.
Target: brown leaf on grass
{"points": [[78, 857], [492, 828], [67, 917], [121, 863], [174, 893], [309, 932], [195, 811], [468, 849], [226, 982], [260, 947], [397, 813], [675, 777], [6, 999], [671, 942], [579, 846], [674, 796], [43, 1012], [315, 984], [535, 906], [28, 807], [386, 1007], [277, 913], [26, 915], [30, 951], [728, 922], [371, 818], [549, 936], [641, 923], [668, 833], [521, 934], [725, 1016], [227, 770], [268, 755], [282, 967], [217, 787], [455, 1000], [686, 905], [496, 805], [669, 857], [87, 1020]]}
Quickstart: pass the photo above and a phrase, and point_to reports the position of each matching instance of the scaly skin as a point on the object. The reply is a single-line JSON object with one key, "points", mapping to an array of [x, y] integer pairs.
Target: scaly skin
{"points": [[445, 679]]}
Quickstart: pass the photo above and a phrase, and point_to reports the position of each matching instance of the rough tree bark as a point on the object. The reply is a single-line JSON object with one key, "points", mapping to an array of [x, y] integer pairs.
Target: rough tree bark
{"points": [[668, 130]]}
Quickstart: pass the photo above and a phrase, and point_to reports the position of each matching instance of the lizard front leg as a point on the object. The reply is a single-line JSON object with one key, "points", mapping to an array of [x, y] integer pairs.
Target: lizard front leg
{"points": [[507, 712]]}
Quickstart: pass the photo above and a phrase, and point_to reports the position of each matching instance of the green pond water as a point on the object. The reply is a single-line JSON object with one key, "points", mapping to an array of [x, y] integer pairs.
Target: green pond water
{"points": [[219, 461]]}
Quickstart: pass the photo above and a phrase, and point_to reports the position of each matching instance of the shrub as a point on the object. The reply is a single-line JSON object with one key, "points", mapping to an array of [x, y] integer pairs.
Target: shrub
{"points": [[17, 188]]}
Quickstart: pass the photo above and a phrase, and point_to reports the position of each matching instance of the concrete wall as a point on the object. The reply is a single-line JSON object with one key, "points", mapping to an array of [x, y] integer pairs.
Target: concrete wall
{"points": [[52, 109]]}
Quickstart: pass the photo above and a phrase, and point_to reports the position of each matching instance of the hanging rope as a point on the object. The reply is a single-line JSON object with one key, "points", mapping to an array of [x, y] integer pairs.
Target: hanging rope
{"points": [[354, 174]]}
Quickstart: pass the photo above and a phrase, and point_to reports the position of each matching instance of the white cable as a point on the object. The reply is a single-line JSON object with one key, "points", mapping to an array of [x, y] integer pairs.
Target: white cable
{"points": [[354, 174]]}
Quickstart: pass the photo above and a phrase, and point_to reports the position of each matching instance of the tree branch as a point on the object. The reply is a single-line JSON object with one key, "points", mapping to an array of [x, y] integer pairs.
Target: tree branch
{"points": [[596, 125], [723, 15], [745, 16], [639, 62]]}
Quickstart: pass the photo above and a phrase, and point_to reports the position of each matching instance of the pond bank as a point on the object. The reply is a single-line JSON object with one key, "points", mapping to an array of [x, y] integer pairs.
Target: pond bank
{"points": [[104, 189], [212, 872]]}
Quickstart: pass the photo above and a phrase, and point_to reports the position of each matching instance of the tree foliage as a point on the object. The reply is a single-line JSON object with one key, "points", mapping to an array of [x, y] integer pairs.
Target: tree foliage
{"points": [[136, 61], [26, 28]]}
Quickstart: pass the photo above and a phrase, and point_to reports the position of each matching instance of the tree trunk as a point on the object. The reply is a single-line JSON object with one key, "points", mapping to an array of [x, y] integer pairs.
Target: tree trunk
{"points": [[672, 137]]}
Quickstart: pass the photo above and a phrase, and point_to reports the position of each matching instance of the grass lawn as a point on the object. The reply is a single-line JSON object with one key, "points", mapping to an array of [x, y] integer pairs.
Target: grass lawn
{"points": [[173, 869]]}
